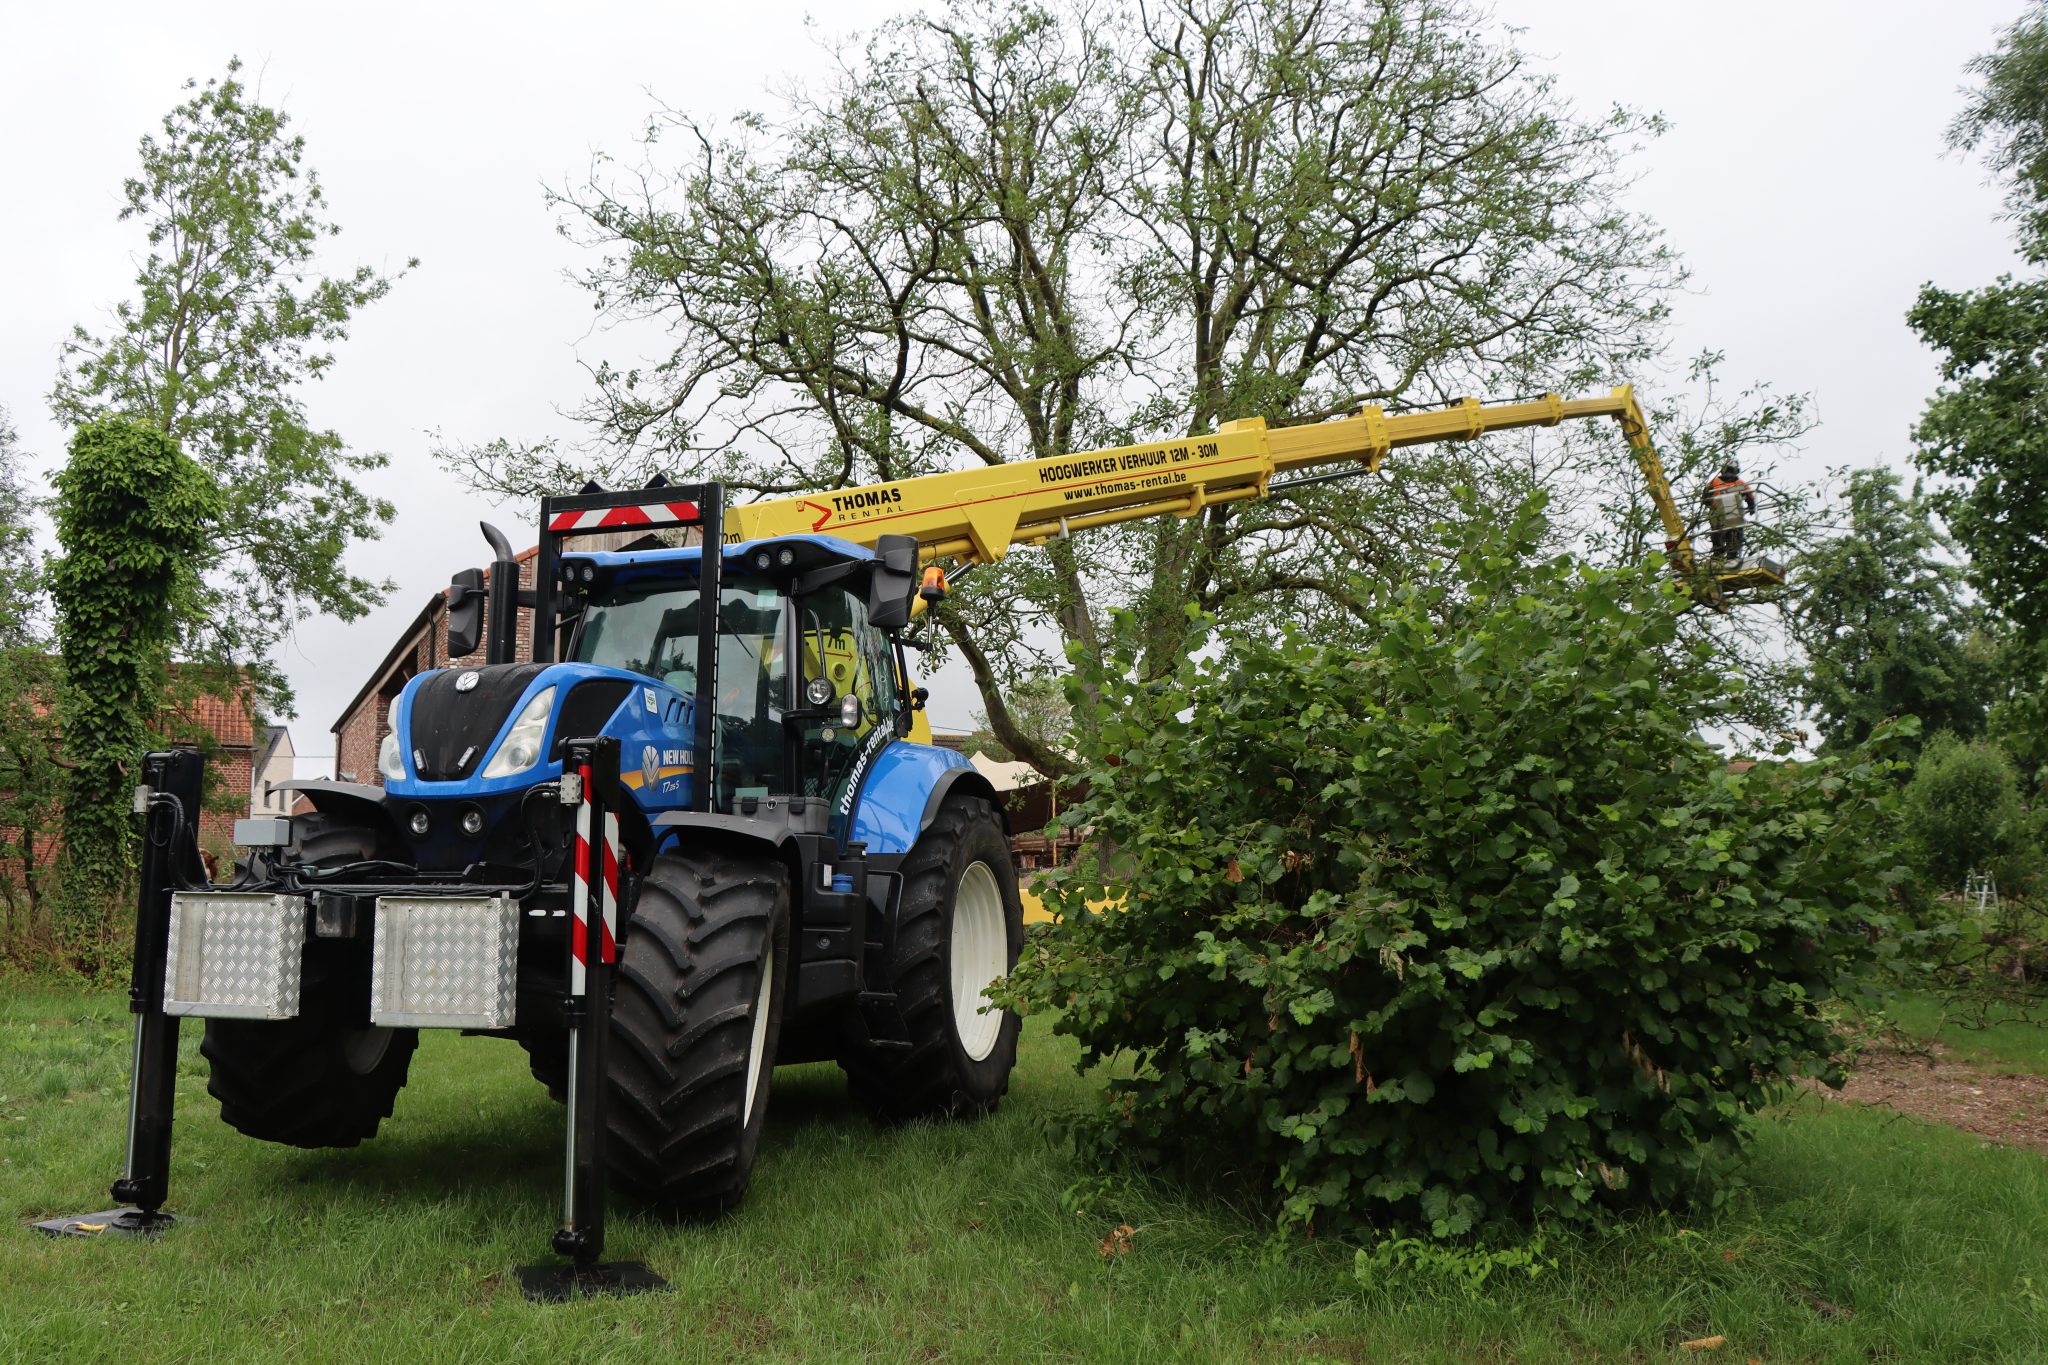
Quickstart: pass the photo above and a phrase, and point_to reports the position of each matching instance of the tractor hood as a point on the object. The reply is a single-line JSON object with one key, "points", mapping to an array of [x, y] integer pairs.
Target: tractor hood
{"points": [[500, 728]]}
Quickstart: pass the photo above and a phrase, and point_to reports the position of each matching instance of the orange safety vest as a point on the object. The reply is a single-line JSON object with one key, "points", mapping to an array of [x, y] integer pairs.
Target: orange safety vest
{"points": [[1725, 500]]}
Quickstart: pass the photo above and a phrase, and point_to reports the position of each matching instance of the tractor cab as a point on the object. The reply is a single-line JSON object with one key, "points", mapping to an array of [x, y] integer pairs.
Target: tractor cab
{"points": [[805, 682]]}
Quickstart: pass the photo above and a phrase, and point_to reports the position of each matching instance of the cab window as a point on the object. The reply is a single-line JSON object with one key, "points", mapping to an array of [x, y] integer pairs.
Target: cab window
{"points": [[841, 655]]}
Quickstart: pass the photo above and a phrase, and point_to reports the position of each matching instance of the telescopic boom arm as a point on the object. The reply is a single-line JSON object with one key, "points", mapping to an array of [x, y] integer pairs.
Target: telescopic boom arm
{"points": [[978, 515]]}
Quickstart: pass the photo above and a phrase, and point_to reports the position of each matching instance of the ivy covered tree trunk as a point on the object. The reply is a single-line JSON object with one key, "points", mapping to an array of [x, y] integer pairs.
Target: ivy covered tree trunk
{"points": [[133, 514]]}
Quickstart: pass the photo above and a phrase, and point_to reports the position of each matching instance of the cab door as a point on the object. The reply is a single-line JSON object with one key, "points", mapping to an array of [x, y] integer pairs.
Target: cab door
{"points": [[841, 656]]}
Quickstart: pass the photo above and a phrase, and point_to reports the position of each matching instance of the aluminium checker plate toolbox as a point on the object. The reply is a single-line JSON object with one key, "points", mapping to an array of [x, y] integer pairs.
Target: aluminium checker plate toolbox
{"points": [[444, 962], [234, 955]]}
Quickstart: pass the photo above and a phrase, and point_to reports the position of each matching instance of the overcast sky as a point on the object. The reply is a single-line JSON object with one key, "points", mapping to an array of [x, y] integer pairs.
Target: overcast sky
{"points": [[1804, 181]]}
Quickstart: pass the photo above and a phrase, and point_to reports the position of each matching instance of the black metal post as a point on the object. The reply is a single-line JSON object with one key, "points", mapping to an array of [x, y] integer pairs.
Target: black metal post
{"points": [[710, 608], [593, 956], [172, 783]]}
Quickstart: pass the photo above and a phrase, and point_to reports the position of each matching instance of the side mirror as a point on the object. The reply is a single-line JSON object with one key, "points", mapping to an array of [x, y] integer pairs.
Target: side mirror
{"points": [[893, 580], [465, 612]]}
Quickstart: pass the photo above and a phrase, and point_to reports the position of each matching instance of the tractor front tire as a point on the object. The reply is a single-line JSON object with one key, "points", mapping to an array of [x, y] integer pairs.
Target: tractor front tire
{"points": [[306, 1082], [547, 1057], [327, 1078], [959, 927], [696, 1019]]}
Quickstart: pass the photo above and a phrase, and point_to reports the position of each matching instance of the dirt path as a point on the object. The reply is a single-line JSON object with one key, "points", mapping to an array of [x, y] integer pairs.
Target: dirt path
{"points": [[1934, 1085]]}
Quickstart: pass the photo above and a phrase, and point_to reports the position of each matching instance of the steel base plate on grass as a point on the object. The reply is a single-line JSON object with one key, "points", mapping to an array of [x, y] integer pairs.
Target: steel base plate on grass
{"points": [[560, 1283], [114, 1222]]}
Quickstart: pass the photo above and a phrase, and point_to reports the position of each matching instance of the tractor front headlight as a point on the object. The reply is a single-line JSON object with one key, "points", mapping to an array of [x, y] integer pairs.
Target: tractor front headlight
{"points": [[390, 757], [521, 749]]}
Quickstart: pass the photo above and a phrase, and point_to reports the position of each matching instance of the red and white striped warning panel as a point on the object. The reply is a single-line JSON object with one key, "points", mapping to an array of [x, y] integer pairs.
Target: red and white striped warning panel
{"points": [[610, 518], [579, 897]]}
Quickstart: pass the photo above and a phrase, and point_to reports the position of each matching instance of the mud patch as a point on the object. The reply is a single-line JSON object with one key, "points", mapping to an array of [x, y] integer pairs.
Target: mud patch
{"points": [[1931, 1084]]}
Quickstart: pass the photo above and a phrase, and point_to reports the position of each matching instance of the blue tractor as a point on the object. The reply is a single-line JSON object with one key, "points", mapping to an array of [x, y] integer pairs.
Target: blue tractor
{"points": [[784, 876]]}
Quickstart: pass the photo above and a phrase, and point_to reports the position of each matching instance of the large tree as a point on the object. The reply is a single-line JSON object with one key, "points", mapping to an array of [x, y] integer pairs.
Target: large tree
{"points": [[1885, 623], [1007, 232], [1986, 429], [231, 319]]}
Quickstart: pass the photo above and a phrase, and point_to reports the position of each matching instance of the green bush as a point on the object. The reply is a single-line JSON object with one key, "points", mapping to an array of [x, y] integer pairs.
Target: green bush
{"points": [[1962, 813], [1468, 925]]}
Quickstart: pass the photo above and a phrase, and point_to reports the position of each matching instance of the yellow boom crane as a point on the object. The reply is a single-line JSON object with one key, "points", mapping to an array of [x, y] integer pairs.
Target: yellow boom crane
{"points": [[977, 515]]}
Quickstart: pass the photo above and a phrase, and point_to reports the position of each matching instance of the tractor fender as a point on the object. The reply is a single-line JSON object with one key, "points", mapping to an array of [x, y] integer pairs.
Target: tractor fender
{"points": [[741, 834], [357, 803], [684, 824], [903, 793]]}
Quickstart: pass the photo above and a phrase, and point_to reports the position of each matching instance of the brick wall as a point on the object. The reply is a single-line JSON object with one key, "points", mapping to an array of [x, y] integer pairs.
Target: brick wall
{"points": [[235, 772], [231, 766]]}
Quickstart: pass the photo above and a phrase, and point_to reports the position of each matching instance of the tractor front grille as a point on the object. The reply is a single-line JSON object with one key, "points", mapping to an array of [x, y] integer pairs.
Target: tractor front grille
{"points": [[451, 730]]}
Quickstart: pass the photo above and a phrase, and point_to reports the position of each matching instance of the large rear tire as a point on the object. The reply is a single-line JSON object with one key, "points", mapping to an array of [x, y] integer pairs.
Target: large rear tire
{"points": [[696, 1018], [959, 927], [326, 1078]]}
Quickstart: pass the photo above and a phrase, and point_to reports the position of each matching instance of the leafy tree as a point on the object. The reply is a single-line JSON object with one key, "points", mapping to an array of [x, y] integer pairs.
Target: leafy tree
{"points": [[21, 587], [229, 322], [1465, 925], [1987, 425], [1007, 232], [134, 521], [1038, 707], [2017, 720], [1963, 810], [1882, 616], [31, 778]]}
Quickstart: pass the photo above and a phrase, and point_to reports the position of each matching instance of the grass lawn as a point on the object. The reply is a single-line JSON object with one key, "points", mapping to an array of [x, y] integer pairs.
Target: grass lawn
{"points": [[2000, 1046], [1859, 1237]]}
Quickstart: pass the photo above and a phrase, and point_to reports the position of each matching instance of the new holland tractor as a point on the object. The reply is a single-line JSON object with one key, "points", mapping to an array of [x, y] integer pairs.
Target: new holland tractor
{"points": [[698, 831]]}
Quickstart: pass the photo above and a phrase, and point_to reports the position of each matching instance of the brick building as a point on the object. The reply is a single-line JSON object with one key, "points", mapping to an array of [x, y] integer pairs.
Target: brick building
{"points": [[421, 646]]}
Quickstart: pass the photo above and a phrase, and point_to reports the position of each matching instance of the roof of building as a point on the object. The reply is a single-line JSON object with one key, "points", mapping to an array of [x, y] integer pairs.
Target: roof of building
{"points": [[225, 718], [273, 736], [1006, 777]]}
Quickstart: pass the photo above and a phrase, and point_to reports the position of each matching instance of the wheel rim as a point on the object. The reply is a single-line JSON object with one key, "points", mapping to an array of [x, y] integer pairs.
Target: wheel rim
{"points": [[764, 998], [980, 953], [363, 1049]]}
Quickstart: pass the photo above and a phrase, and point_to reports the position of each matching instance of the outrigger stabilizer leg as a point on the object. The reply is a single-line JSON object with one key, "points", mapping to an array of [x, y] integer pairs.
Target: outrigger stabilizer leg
{"points": [[590, 777], [168, 802]]}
